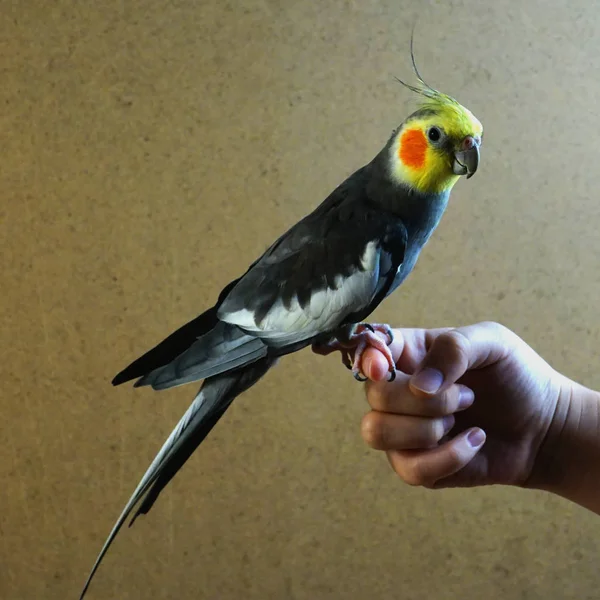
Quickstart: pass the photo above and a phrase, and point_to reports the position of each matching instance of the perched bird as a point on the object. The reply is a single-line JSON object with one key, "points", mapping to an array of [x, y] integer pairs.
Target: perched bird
{"points": [[316, 284]]}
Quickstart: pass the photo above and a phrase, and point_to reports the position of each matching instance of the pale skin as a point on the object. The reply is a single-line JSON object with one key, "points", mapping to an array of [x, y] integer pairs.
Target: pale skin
{"points": [[500, 415]]}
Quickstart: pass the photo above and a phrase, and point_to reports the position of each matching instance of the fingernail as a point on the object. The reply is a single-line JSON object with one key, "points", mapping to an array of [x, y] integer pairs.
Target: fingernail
{"points": [[465, 398], [448, 422], [428, 380], [476, 437]]}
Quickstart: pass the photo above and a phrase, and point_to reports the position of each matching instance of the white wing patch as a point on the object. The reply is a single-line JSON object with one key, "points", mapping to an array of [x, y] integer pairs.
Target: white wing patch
{"points": [[323, 312]]}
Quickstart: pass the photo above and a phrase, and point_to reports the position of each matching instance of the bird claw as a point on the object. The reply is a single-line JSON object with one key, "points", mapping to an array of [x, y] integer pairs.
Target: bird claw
{"points": [[364, 336], [359, 377], [381, 328], [346, 359], [390, 335]]}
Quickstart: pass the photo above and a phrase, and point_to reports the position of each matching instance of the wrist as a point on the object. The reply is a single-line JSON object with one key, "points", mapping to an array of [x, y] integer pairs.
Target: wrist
{"points": [[568, 461]]}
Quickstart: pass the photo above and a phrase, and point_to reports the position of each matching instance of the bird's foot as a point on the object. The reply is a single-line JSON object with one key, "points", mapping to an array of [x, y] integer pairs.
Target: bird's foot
{"points": [[377, 327], [335, 346], [364, 336]]}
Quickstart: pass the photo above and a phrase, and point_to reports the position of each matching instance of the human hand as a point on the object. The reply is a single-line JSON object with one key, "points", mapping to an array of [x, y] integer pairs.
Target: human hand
{"points": [[469, 406]]}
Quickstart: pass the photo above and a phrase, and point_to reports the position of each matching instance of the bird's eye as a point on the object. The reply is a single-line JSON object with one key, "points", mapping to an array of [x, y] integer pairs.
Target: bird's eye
{"points": [[434, 134]]}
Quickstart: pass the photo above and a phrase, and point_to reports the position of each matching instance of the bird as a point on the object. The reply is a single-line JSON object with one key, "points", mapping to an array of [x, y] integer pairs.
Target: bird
{"points": [[316, 285]]}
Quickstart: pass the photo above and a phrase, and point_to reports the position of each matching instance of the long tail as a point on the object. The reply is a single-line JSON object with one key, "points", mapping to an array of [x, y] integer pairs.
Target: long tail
{"points": [[215, 396]]}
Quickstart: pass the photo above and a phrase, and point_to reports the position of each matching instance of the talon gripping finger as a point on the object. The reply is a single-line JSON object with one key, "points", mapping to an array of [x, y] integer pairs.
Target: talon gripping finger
{"points": [[358, 377], [390, 335]]}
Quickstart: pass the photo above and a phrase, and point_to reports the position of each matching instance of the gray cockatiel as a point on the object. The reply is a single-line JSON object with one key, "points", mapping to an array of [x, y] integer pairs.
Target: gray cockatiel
{"points": [[315, 285]]}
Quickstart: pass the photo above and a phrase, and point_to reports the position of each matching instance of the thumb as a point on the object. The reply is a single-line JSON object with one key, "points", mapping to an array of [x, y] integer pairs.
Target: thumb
{"points": [[456, 351]]}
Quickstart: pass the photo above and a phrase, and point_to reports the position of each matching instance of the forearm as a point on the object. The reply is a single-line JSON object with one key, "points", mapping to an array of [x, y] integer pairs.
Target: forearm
{"points": [[568, 462]]}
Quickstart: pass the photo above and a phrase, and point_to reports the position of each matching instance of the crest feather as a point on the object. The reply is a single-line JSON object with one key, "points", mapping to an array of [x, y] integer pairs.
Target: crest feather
{"points": [[432, 98]]}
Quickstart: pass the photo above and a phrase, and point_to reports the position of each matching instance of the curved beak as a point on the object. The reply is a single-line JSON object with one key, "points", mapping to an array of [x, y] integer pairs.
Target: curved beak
{"points": [[466, 158]]}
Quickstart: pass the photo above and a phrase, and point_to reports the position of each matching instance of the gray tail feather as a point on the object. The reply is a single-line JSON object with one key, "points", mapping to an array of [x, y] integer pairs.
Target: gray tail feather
{"points": [[211, 402], [222, 349]]}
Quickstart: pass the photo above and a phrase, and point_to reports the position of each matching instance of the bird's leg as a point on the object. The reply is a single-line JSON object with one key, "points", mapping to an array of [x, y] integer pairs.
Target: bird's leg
{"points": [[358, 338], [323, 349]]}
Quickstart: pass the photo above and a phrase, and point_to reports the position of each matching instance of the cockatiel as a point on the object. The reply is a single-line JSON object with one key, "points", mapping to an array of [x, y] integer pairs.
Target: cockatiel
{"points": [[316, 284]]}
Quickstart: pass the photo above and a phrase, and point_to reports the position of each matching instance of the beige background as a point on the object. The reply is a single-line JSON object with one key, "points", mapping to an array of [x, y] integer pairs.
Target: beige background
{"points": [[150, 150]]}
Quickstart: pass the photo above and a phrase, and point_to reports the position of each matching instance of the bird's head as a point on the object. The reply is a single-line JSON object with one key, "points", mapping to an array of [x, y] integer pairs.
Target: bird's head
{"points": [[437, 144]]}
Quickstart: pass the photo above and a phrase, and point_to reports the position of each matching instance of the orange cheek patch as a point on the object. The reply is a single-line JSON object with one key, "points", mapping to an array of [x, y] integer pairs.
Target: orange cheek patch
{"points": [[413, 147]]}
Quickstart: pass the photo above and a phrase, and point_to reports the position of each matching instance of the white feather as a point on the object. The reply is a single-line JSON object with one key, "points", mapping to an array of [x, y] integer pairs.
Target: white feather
{"points": [[324, 310]]}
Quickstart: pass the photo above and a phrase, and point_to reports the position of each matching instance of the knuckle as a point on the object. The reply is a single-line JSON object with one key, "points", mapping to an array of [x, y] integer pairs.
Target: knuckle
{"points": [[492, 325], [456, 345], [497, 330], [372, 430], [415, 475]]}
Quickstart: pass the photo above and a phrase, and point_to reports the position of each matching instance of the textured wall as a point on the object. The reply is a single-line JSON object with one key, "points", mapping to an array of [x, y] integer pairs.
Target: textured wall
{"points": [[150, 150]]}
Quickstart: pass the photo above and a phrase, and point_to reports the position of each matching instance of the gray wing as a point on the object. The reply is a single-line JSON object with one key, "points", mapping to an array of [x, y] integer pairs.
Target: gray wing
{"points": [[224, 348], [322, 276]]}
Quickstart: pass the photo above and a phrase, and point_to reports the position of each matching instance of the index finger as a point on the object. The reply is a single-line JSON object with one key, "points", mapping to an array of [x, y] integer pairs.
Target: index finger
{"points": [[408, 350]]}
